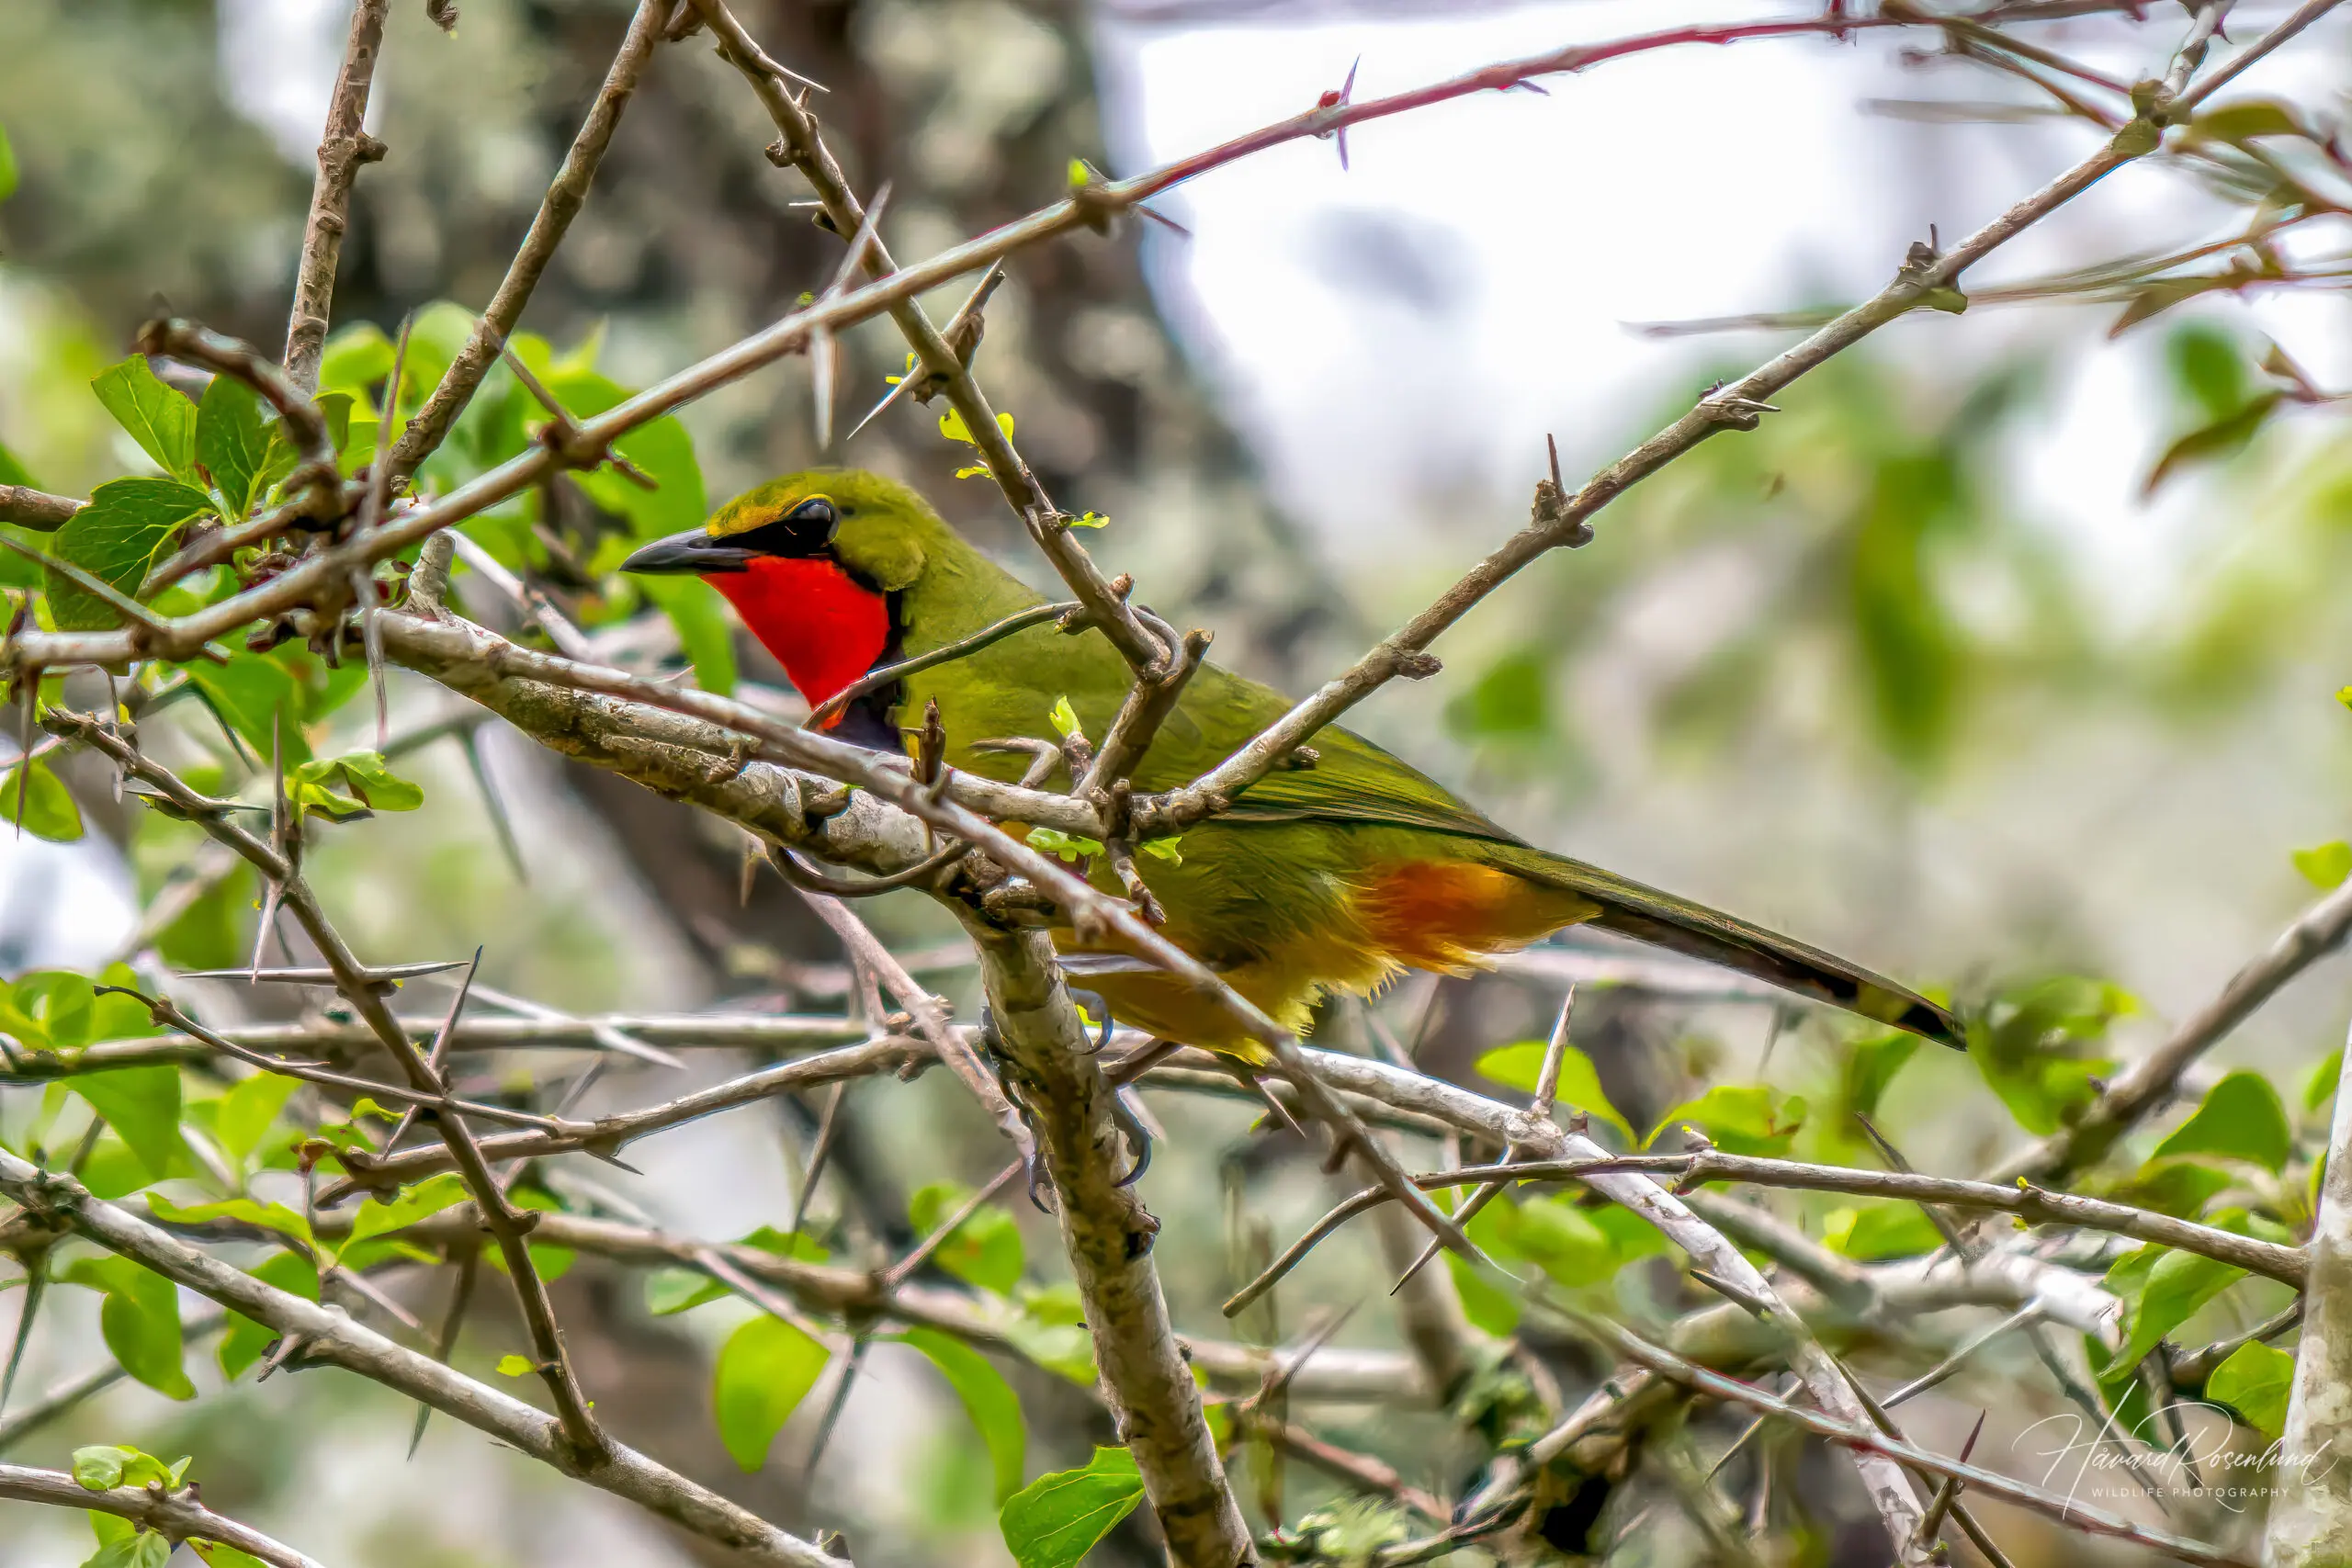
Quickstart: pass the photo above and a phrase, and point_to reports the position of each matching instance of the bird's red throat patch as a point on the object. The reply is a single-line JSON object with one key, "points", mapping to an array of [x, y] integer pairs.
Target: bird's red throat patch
{"points": [[823, 626]]}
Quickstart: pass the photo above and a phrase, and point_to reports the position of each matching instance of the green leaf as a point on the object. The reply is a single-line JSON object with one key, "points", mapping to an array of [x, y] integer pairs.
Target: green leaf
{"points": [[1741, 1119], [8, 166], [48, 808], [1554, 1235], [1870, 1067], [233, 441], [1051, 1331], [987, 1399], [2247, 118], [217, 1554], [952, 425], [1088, 520], [2320, 1087], [1056, 1519], [1518, 1066], [354, 360], [1486, 1304], [211, 933], [139, 1320], [102, 1468], [2241, 1118], [421, 1202], [2175, 1285], [1164, 849], [699, 615], [14, 472], [517, 1366], [248, 1339], [2256, 1381], [2031, 1045], [54, 1006], [2180, 1188], [159, 419], [662, 450], [249, 692], [986, 1248], [117, 539], [765, 1369], [1064, 717], [2216, 440], [2326, 865], [248, 1111], [142, 1106], [143, 1548], [671, 1291], [1068, 846], [1876, 1232], [2208, 364], [1512, 701], [351, 786], [245, 1211]]}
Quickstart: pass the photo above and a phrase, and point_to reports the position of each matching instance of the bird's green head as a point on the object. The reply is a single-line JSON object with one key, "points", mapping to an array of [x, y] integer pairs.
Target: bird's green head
{"points": [[815, 563], [874, 529]]}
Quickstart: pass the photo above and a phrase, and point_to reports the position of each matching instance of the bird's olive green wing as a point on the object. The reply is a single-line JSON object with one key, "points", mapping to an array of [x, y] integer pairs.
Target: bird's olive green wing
{"points": [[1350, 779], [1353, 781]]}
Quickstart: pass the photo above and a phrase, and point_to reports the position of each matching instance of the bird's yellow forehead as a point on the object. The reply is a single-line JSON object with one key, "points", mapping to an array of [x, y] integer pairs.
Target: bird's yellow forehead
{"points": [[757, 508]]}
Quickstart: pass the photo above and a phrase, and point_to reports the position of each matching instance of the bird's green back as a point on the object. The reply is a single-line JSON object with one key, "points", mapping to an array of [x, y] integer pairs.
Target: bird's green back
{"points": [[1008, 689]]}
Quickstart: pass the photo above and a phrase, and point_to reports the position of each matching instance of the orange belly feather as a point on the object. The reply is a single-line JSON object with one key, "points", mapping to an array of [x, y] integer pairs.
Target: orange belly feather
{"points": [[1443, 916]]}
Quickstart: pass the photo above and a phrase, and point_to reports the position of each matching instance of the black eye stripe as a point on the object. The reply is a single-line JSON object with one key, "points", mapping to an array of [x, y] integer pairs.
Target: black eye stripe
{"points": [[803, 532]]}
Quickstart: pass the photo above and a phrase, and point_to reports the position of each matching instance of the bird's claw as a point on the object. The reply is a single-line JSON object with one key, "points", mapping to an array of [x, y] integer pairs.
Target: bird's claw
{"points": [[1138, 1136], [1032, 1169]]}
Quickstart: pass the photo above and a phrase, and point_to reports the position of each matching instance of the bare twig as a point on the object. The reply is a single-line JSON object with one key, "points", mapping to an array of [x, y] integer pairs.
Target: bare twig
{"points": [[331, 1337], [1865, 1437], [1557, 519], [801, 145], [930, 1015], [2304, 16], [566, 195], [30, 508], [343, 149], [2038, 1205], [176, 1516], [2148, 1082], [359, 987]]}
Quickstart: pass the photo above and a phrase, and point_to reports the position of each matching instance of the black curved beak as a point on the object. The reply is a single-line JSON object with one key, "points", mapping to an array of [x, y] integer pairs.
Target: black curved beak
{"points": [[693, 554]]}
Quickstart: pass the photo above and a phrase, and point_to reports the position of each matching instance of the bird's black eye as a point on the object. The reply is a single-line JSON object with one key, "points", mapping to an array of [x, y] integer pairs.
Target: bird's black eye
{"points": [[806, 530]]}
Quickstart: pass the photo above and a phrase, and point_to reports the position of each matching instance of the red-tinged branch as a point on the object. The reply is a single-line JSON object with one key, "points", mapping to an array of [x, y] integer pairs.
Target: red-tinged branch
{"points": [[1086, 209], [1557, 519]]}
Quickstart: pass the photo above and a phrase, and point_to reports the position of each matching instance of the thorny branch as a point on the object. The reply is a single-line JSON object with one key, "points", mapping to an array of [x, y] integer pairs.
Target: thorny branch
{"points": [[341, 150], [722, 756], [566, 195], [176, 1516], [329, 1338]]}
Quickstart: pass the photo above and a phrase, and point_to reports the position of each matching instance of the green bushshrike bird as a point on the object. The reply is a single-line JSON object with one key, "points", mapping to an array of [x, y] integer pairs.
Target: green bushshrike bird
{"points": [[1336, 876]]}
